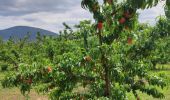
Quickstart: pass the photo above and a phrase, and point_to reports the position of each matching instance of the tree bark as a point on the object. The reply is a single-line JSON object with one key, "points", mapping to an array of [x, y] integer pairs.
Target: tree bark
{"points": [[85, 40], [105, 67]]}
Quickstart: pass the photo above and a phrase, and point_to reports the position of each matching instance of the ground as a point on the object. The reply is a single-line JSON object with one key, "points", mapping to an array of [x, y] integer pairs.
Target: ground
{"points": [[14, 93]]}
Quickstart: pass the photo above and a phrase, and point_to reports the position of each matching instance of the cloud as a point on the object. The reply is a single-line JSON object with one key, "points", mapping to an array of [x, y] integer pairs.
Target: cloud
{"points": [[20, 7], [150, 15], [51, 20], [50, 14]]}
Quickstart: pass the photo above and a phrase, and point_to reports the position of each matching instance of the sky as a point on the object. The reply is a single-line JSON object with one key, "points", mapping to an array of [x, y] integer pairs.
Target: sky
{"points": [[50, 14]]}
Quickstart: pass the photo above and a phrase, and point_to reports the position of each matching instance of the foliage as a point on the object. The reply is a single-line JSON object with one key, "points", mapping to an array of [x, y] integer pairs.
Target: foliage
{"points": [[4, 67]]}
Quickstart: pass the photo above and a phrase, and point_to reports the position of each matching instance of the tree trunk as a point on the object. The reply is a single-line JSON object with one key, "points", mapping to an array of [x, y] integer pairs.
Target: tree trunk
{"points": [[105, 67], [154, 65], [85, 40]]}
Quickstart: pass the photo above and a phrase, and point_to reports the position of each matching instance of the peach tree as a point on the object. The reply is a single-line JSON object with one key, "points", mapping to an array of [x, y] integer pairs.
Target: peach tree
{"points": [[161, 34], [110, 58]]}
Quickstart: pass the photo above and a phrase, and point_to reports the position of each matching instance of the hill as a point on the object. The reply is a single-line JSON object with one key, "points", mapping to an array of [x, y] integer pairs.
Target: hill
{"points": [[20, 32]]}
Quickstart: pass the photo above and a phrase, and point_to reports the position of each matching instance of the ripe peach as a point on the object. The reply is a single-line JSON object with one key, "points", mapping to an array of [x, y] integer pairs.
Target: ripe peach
{"points": [[122, 20]]}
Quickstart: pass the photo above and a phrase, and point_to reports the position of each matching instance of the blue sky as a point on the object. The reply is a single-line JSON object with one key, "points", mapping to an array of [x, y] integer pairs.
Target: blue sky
{"points": [[49, 14]]}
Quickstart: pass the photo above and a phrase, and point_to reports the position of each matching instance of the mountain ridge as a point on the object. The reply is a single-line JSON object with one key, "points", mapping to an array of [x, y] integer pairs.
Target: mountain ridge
{"points": [[21, 31]]}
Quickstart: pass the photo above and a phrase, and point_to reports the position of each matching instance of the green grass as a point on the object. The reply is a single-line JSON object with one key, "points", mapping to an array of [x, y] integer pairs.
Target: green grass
{"points": [[163, 67]]}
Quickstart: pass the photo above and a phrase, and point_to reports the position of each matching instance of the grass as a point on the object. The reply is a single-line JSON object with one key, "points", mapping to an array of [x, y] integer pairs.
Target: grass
{"points": [[14, 93]]}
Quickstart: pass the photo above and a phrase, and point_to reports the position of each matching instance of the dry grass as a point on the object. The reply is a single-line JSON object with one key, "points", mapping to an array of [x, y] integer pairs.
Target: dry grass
{"points": [[14, 94]]}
